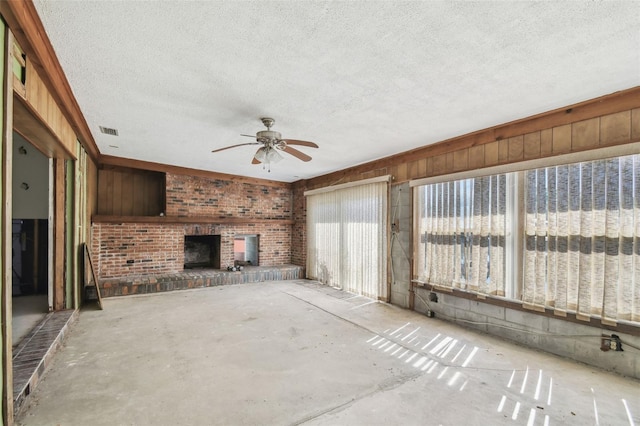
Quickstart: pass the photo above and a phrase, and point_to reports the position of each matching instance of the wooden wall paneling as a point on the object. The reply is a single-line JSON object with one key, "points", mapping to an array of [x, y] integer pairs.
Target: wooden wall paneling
{"points": [[116, 193], [615, 128], [503, 151], [449, 157], [635, 124], [585, 134], [42, 102], [127, 193], [516, 148], [491, 153], [546, 142], [562, 139], [102, 193], [476, 157], [140, 195], [461, 159], [439, 164], [401, 174], [531, 145]]}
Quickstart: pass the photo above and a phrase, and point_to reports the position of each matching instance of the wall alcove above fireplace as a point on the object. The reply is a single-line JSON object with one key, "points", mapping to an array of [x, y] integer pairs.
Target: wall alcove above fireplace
{"points": [[202, 251]]}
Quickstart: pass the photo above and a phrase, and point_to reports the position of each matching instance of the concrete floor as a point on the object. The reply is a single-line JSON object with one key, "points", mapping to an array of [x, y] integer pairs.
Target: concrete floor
{"points": [[288, 353]]}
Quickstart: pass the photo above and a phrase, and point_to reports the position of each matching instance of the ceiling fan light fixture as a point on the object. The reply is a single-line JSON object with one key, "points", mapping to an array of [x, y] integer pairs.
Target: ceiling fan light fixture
{"points": [[273, 156], [260, 155]]}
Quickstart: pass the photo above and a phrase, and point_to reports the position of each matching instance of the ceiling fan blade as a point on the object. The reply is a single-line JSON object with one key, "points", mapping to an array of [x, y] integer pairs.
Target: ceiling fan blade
{"points": [[254, 160], [249, 136], [298, 154], [302, 143], [233, 146]]}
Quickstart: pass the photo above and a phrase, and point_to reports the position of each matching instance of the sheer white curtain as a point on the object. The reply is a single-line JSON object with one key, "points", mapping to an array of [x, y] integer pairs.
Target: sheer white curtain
{"points": [[462, 226], [347, 238], [582, 230]]}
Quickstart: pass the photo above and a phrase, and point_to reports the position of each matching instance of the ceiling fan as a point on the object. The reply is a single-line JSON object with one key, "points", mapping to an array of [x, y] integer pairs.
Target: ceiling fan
{"points": [[272, 142]]}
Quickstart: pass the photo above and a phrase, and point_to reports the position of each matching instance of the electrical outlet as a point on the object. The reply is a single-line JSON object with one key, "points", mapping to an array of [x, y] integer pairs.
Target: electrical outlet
{"points": [[612, 343]]}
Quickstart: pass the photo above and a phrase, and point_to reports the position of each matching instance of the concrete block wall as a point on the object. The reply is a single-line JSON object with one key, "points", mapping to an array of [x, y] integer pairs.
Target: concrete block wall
{"points": [[200, 196], [401, 214], [554, 335], [153, 248]]}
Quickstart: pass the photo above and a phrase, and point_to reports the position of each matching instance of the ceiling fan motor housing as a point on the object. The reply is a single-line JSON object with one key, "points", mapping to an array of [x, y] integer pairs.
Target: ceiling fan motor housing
{"points": [[268, 136]]}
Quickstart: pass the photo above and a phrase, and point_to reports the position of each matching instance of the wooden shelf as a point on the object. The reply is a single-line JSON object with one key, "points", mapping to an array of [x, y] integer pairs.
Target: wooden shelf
{"points": [[186, 219]]}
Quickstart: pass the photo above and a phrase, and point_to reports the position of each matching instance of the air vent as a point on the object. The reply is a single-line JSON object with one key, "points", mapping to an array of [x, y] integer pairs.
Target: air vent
{"points": [[109, 131]]}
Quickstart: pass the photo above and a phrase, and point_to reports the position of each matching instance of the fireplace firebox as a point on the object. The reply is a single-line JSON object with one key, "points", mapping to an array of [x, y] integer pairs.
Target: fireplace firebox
{"points": [[202, 251]]}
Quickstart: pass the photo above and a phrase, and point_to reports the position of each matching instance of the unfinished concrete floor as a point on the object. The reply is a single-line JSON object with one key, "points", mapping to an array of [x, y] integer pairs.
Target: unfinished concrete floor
{"points": [[293, 352]]}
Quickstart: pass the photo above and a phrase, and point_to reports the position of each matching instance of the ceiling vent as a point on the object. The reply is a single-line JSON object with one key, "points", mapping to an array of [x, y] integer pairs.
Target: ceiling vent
{"points": [[109, 131]]}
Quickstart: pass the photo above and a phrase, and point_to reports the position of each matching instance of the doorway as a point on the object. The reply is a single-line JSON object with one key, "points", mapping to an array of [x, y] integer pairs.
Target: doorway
{"points": [[30, 238]]}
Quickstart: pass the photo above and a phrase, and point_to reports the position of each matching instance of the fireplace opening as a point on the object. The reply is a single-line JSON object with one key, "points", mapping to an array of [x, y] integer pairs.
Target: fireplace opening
{"points": [[245, 250], [202, 251]]}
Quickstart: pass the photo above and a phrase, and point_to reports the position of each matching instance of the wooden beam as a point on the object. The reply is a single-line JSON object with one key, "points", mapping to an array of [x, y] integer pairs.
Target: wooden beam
{"points": [[58, 234], [189, 219], [107, 160], [23, 19], [30, 126], [5, 221]]}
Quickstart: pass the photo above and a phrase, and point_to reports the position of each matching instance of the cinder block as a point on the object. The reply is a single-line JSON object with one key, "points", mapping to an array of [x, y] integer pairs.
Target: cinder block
{"points": [[400, 299], [588, 351], [471, 319], [457, 302], [561, 346], [527, 320], [487, 309]]}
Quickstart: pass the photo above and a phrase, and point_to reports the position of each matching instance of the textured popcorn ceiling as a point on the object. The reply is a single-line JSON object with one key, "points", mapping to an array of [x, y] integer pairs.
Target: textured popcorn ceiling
{"points": [[364, 80]]}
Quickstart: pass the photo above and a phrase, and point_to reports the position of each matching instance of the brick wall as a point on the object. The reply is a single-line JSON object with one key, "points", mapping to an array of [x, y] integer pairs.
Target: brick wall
{"points": [[153, 248], [200, 196], [299, 232], [123, 249]]}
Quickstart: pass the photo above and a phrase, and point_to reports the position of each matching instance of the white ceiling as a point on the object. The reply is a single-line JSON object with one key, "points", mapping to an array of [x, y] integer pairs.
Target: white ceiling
{"points": [[363, 79]]}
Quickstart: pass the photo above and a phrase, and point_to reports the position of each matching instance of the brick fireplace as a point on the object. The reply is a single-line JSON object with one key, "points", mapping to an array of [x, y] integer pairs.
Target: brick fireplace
{"points": [[199, 208]]}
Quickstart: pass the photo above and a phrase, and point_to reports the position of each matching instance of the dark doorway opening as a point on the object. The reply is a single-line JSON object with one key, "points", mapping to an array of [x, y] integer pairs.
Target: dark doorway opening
{"points": [[202, 251]]}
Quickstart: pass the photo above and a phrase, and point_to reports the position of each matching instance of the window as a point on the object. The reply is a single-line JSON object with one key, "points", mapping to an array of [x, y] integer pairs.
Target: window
{"points": [[564, 237], [346, 237], [463, 234], [582, 230]]}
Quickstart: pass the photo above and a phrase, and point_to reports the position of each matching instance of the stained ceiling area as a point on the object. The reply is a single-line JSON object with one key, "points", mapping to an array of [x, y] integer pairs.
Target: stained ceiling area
{"points": [[362, 79]]}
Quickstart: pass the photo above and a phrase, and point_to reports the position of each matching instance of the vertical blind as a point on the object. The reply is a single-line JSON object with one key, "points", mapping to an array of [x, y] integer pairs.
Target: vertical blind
{"points": [[582, 232], [347, 238], [462, 227]]}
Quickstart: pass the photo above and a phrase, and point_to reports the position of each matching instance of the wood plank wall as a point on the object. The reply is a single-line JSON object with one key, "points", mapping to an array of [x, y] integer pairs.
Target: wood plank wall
{"points": [[130, 192], [44, 107], [607, 121]]}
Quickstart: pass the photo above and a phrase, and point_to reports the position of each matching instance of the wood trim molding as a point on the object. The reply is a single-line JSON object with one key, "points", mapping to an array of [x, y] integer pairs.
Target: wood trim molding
{"points": [[108, 160], [165, 220], [24, 22]]}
